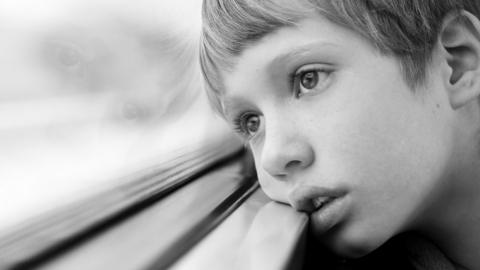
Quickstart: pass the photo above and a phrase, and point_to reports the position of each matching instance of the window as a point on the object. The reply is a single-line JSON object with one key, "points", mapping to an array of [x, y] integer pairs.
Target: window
{"points": [[111, 156], [92, 91]]}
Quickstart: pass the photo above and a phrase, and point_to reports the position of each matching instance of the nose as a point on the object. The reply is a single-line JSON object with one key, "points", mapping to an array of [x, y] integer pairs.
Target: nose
{"points": [[283, 154]]}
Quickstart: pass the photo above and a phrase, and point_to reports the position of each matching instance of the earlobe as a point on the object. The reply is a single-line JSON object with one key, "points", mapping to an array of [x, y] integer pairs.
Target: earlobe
{"points": [[465, 90], [460, 40]]}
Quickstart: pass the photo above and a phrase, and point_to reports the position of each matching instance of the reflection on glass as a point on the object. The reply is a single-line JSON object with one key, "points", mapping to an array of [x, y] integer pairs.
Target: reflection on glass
{"points": [[91, 90]]}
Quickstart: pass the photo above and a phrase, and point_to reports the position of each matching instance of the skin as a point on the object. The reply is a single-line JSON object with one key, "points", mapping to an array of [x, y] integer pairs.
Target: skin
{"points": [[390, 150]]}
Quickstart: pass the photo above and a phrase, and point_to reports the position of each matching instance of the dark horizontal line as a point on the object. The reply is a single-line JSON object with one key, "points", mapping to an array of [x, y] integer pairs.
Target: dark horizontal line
{"points": [[53, 233], [197, 232]]}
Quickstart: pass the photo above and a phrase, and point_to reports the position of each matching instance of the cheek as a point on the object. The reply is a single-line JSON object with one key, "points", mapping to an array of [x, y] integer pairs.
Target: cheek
{"points": [[390, 161], [383, 195], [273, 188]]}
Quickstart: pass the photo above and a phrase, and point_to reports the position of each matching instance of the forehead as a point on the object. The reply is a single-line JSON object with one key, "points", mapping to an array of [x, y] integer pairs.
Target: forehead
{"points": [[284, 50]]}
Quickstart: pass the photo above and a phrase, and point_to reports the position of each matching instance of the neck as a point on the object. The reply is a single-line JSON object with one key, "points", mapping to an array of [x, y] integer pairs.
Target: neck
{"points": [[454, 222]]}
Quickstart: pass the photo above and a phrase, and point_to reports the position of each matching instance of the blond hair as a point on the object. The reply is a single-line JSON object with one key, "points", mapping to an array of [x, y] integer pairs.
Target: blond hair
{"points": [[407, 29]]}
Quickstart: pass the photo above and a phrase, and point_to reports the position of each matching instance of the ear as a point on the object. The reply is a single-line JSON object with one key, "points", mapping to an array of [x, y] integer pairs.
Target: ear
{"points": [[460, 41]]}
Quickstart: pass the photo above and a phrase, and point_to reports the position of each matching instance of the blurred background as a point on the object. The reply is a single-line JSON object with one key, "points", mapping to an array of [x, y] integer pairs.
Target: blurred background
{"points": [[91, 90]]}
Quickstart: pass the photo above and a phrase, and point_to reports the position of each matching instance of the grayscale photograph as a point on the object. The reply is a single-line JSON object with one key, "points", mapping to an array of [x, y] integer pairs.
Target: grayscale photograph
{"points": [[240, 134]]}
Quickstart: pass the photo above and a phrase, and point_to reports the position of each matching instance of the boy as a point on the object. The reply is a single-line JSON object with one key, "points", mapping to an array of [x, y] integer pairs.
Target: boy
{"points": [[362, 113]]}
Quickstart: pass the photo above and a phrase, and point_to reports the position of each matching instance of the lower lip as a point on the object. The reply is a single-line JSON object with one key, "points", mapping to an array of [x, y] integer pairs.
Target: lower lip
{"points": [[329, 215]]}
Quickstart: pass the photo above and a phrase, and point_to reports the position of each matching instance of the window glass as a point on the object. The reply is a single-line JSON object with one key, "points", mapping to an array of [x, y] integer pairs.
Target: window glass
{"points": [[92, 90]]}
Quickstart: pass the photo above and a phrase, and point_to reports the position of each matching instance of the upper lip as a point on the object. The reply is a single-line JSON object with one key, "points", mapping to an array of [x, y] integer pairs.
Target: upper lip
{"points": [[311, 198]]}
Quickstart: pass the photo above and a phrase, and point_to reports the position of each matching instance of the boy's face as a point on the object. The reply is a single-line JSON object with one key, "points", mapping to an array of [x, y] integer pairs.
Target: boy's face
{"points": [[328, 117]]}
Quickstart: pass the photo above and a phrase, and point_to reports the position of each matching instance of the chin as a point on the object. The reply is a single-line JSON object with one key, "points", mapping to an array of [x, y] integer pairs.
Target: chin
{"points": [[351, 244]]}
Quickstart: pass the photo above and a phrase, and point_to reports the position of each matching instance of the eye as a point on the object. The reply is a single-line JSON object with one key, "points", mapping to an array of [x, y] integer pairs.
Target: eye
{"points": [[65, 55], [68, 56], [252, 124], [311, 79], [248, 124]]}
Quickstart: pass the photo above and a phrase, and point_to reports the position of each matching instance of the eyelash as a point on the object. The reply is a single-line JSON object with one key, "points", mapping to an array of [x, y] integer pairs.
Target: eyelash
{"points": [[295, 77], [240, 121]]}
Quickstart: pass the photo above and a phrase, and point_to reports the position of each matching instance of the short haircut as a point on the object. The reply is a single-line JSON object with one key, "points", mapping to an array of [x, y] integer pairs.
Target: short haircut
{"points": [[407, 29]]}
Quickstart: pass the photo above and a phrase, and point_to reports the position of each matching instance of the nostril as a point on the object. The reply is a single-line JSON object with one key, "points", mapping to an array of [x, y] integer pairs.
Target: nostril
{"points": [[293, 164], [282, 154]]}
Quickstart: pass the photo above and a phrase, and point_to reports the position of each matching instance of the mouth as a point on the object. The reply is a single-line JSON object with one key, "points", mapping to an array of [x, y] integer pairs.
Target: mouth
{"points": [[329, 211], [320, 202], [326, 207], [310, 199]]}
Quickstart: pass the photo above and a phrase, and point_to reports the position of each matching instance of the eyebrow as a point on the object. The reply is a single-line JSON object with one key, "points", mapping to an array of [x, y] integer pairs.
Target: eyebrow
{"points": [[280, 61], [300, 52]]}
